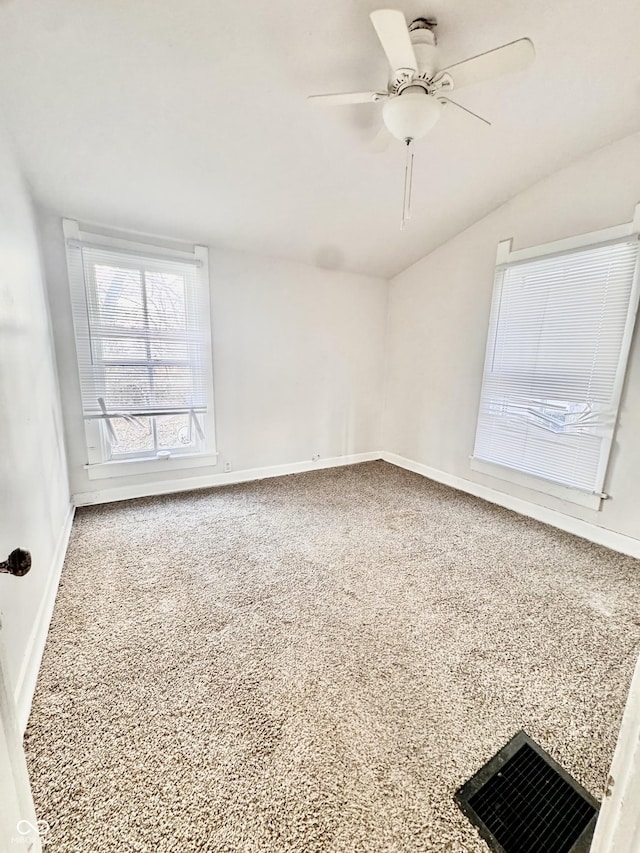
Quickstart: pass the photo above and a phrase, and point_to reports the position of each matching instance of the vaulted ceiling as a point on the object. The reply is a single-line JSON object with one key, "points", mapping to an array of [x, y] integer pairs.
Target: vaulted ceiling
{"points": [[188, 118]]}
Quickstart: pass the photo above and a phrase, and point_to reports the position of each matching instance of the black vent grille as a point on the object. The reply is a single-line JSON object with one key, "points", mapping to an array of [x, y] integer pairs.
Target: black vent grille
{"points": [[523, 802]]}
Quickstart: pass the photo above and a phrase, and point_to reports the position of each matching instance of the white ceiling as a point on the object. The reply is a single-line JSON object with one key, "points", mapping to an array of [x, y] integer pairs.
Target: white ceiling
{"points": [[188, 118]]}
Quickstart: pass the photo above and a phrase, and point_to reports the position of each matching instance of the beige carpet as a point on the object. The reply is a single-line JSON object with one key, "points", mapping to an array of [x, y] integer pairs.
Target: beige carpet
{"points": [[316, 663]]}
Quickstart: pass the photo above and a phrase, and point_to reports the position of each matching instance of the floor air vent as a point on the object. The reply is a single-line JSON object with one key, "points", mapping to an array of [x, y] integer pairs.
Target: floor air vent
{"points": [[523, 802]]}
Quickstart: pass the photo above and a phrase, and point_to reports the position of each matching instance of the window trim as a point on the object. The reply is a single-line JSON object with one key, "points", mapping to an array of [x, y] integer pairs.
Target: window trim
{"points": [[150, 465], [505, 254], [538, 484], [98, 466]]}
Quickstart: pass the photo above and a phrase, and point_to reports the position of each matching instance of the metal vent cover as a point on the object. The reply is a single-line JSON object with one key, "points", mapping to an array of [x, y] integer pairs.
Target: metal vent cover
{"points": [[522, 801]]}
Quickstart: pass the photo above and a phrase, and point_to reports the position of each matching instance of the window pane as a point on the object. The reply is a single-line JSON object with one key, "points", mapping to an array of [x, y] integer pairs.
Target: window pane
{"points": [[174, 385], [169, 350], [119, 296], [174, 432], [126, 388], [133, 437], [166, 301], [124, 349]]}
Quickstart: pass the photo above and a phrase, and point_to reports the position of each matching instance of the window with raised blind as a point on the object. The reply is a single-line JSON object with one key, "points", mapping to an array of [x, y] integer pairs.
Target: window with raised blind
{"points": [[559, 334], [141, 323]]}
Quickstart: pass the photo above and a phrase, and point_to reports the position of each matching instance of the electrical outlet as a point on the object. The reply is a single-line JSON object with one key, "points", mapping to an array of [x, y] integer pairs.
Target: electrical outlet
{"points": [[315, 457], [227, 467]]}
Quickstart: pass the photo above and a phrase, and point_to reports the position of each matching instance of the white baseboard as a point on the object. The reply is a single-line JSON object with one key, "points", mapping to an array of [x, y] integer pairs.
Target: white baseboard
{"points": [[165, 487], [28, 675], [592, 532]]}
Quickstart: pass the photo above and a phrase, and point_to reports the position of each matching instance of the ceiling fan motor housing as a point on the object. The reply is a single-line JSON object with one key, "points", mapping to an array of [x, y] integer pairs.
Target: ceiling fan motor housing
{"points": [[423, 40], [426, 51]]}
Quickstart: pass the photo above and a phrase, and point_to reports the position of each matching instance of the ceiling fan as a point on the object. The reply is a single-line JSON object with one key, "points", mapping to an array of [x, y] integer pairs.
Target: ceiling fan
{"points": [[418, 88]]}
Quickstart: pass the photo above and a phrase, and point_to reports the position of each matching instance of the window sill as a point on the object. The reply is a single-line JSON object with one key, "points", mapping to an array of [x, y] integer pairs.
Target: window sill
{"points": [[152, 465], [546, 487]]}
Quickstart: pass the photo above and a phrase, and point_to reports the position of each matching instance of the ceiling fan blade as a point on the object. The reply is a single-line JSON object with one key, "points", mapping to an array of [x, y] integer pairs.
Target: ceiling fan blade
{"points": [[381, 141], [391, 27], [502, 60], [466, 109], [343, 98]]}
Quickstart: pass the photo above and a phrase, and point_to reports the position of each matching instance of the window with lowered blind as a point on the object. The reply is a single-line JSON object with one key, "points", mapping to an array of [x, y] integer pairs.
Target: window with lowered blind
{"points": [[141, 323], [559, 335]]}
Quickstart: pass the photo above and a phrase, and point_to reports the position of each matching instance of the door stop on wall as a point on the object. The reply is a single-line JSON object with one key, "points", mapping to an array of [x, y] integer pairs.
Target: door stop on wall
{"points": [[17, 563]]}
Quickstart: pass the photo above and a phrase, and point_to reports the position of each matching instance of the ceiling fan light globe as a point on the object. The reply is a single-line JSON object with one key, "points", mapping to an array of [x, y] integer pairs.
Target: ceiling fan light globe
{"points": [[411, 115]]}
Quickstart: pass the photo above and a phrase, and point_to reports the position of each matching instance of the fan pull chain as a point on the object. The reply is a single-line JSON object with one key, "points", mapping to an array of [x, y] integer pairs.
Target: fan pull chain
{"points": [[408, 181]]}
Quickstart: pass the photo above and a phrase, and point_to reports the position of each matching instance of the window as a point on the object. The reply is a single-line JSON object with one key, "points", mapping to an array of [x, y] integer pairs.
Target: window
{"points": [[559, 335], [141, 322]]}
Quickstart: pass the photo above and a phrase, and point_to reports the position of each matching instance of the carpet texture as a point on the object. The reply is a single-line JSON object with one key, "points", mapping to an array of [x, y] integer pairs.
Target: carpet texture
{"points": [[314, 664]]}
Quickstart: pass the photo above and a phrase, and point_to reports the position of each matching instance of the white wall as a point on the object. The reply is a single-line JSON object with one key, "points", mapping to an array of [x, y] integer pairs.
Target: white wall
{"points": [[34, 495], [298, 363], [438, 318]]}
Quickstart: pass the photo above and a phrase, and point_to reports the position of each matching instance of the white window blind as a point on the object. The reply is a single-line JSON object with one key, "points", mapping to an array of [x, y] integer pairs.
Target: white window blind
{"points": [[556, 354], [142, 338]]}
